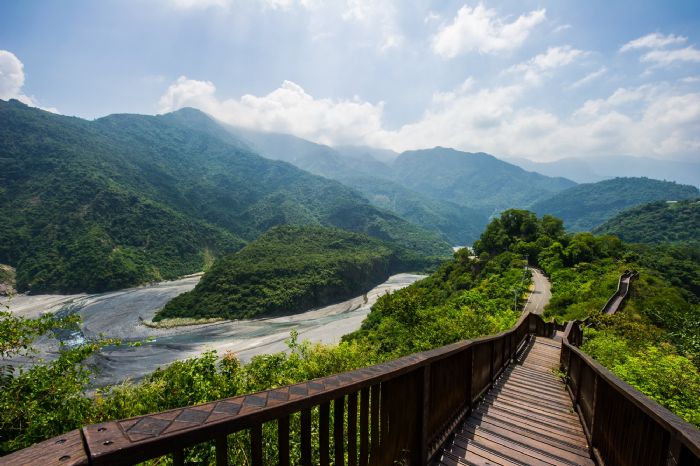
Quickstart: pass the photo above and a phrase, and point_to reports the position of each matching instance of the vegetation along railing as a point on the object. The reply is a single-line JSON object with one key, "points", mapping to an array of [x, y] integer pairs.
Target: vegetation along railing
{"points": [[623, 426], [401, 410]]}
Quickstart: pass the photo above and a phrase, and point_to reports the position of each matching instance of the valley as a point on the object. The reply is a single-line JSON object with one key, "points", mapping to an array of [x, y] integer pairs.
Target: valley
{"points": [[120, 314]]}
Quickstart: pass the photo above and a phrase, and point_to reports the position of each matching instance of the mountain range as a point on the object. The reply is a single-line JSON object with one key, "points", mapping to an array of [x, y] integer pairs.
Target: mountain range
{"points": [[97, 205], [126, 199]]}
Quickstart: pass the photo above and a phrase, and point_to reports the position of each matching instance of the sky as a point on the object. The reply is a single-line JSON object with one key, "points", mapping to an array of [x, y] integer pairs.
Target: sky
{"points": [[540, 79]]}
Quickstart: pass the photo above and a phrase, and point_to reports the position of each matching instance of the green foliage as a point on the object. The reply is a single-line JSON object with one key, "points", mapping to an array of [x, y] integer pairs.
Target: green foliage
{"points": [[465, 298], [657, 222], [45, 400], [586, 206], [654, 369], [289, 269], [678, 263], [126, 199]]}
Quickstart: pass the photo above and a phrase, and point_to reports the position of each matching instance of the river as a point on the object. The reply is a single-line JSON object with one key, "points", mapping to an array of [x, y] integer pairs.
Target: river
{"points": [[120, 314]]}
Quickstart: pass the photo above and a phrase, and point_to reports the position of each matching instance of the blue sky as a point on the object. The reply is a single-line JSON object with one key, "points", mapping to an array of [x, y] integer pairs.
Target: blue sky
{"points": [[536, 79]]}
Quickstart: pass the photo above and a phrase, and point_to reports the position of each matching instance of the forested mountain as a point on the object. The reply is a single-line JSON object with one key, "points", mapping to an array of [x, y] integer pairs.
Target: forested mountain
{"points": [[359, 169], [586, 206], [593, 169], [657, 222], [443, 190], [289, 269], [124, 199], [477, 180]]}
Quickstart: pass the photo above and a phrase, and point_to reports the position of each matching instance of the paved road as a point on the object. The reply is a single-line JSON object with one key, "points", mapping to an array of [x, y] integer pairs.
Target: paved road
{"points": [[541, 294]]}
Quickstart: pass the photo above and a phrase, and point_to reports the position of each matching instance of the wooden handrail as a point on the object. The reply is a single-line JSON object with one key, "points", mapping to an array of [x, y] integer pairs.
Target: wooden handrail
{"points": [[623, 426], [622, 292], [407, 407]]}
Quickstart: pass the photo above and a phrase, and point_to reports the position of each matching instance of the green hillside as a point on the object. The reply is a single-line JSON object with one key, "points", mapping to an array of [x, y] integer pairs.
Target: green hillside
{"points": [[657, 222], [479, 181], [455, 223], [289, 269], [586, 206], [92, 206]]}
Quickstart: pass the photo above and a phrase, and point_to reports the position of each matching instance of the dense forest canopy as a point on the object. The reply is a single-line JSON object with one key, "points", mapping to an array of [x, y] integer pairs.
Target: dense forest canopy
{"points": [[293, 268], [657, 222]]}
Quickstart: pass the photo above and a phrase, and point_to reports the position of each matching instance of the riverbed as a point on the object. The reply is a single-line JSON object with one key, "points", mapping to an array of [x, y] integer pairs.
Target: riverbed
{"points": [[120, 315]]}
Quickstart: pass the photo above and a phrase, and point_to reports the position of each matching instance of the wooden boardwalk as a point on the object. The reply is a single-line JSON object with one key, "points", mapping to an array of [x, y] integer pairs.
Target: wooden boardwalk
{"points": [[527, 418]]}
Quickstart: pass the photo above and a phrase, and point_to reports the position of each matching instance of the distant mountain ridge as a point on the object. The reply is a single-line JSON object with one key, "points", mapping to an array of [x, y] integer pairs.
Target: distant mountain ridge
{"points": [[593, 169], [589, 205], [91, 206], [412, 184], [479, 180]]}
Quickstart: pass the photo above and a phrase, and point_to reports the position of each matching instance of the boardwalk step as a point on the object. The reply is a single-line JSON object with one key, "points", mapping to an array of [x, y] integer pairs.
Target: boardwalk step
{"points": [[526, 418]]}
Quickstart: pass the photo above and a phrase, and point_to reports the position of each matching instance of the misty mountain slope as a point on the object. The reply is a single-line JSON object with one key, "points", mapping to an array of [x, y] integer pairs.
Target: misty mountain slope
{"points": [[125, 199], [593, 169], [358, 169], [656, 222], [477, 180], [586, 206]]}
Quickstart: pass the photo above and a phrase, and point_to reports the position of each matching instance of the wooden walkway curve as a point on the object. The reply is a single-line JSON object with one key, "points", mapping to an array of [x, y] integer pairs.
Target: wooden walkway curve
{"points": [[527, 418]]}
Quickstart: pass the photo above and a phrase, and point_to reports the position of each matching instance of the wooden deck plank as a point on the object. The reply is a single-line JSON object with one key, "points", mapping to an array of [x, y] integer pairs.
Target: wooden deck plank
{"points": [[515, 385], [555, 438], [569, 434], [556, 451], [526, 418]]}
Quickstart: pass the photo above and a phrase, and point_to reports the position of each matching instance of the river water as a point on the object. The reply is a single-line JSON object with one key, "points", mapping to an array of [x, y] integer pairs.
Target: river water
{"points": [[120, 314]]}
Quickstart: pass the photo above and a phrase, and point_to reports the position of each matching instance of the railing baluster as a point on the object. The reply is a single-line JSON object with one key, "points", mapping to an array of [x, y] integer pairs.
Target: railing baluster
{"points": [[338, 431], [256, 445], [179, 457], [283, 440], [374, 422], [323, 439], [352, 429], [306, 437], [364, 427], [221, 451]]}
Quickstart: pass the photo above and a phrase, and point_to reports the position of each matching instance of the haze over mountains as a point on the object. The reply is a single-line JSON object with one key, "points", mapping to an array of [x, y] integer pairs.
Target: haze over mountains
{"points": [[590, 170]]}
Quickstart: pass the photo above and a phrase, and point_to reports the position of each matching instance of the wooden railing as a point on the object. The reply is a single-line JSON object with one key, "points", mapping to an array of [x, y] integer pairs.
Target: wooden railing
{"points": [[398, 411], [624, 427], [616, 300]]}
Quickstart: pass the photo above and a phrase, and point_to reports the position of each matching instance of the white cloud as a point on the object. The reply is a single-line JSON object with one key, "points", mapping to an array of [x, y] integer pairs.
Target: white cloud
{"points": [[533, 70], [11, 75], [589, 77], [562, 27], [652, 120], [12, 81], [376, 16], [667, 57], [288, 109], [653, 41], [480, 29]]}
